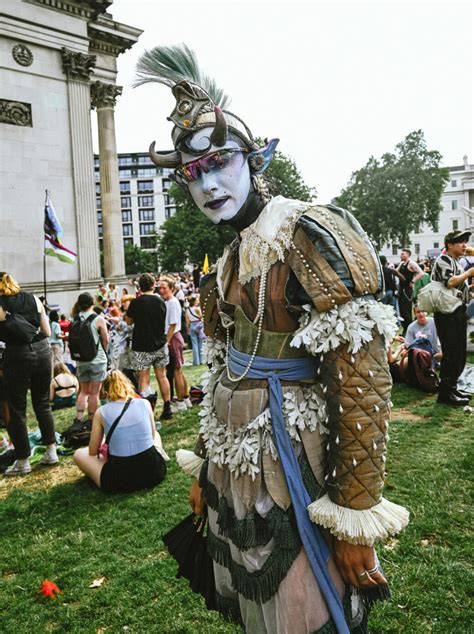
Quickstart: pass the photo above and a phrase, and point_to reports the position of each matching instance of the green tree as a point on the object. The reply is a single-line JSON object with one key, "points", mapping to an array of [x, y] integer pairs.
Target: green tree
{"points": [[138, 260], [397, 194], [187, 236]]}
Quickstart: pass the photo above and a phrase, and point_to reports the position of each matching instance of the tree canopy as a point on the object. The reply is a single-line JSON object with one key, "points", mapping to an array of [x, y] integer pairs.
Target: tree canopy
{"points": [[398, 193], [187, 236]]}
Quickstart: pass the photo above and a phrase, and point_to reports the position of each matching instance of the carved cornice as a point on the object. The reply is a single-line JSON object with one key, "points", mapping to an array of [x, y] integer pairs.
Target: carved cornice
{"points": [[89, 9], [15, 113], [111, 41], [77, 66], [104, 95]]}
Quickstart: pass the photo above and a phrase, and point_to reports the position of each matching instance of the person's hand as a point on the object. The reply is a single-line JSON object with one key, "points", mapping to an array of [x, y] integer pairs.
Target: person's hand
{"points": [[357, 565], [195, 499], [470, 271], [399, 338]]}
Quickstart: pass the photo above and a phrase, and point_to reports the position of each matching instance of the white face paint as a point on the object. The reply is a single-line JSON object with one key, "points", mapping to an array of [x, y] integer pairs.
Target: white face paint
{"points": [[220, 193]]}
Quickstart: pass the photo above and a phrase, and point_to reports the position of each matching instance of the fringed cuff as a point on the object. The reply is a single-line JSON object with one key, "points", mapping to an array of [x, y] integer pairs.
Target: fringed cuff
{"points": [[359, 527], [189, 462]]}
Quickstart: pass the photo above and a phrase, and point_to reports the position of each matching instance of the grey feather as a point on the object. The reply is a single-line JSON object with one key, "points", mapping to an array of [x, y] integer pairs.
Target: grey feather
{"points": [[171, 64]]}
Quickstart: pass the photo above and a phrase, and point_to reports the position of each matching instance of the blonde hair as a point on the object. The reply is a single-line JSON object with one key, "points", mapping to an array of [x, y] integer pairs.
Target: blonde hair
{"points": [[8, 286], [118, 387], [169, 281], [61, 368]]}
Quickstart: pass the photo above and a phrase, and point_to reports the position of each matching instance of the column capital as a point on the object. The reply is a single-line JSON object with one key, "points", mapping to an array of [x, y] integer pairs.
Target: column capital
{"points": [[104, 95], [78, 66]]}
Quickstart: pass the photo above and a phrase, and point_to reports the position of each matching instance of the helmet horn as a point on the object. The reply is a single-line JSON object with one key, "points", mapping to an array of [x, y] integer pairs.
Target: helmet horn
{"points": [[219, 134], [165, 159]]}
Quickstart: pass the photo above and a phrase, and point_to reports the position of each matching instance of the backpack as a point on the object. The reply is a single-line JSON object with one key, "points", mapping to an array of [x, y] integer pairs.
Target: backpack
{"points": [[82, 345], [418, 371], [77, 435]]}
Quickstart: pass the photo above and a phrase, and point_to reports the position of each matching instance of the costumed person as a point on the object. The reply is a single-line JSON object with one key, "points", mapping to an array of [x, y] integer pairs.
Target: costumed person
{"points": [[292, 446]]}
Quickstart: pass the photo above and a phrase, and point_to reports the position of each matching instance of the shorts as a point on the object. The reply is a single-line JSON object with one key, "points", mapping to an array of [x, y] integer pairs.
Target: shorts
{"points": [[133, 473], [176, 350], [145, 360], [87, 372]]}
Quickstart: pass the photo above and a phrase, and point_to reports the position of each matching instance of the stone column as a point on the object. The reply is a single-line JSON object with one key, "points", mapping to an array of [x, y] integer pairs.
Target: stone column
{"points": [[103, 97], [78, 68]]}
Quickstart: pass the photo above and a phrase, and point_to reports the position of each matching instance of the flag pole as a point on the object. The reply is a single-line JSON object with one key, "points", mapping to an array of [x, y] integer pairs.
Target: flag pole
{"points": [[44, 252]]}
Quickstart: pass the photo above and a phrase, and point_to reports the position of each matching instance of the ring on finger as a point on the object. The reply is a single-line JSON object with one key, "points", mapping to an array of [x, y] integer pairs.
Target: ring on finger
{"points": [[363, 575], [373, 571]]}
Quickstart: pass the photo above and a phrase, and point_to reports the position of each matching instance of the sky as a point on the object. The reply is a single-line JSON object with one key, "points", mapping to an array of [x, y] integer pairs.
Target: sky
{"points": [[337, 82]]}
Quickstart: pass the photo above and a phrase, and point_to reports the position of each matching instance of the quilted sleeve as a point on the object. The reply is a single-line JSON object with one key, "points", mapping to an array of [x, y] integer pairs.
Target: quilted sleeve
{"points": [[358, 392]]}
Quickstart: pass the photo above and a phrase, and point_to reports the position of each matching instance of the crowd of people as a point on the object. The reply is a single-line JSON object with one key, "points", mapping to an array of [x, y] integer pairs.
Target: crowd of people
{"points": [[442, 338], [103, 351]]}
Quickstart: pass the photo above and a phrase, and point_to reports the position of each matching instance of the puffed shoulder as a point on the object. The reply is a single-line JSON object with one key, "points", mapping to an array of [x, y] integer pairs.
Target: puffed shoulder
{"points": [[333, 258]]}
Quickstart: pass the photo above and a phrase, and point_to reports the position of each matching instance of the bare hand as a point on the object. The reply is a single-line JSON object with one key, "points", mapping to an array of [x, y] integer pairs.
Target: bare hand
{"points": [[195, 499], [353, 560]]}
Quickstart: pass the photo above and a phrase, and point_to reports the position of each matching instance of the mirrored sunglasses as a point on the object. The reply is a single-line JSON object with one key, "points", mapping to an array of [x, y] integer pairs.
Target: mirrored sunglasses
{"points": [[190, 172]]}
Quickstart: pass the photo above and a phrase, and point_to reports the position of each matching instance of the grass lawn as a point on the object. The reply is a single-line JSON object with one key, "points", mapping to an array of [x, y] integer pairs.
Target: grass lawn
{"points": [[55, 524]]}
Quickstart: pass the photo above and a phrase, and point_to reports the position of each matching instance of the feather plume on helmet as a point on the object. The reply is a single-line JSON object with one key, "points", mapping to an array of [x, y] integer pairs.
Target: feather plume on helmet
{"points": [[199, 104]]}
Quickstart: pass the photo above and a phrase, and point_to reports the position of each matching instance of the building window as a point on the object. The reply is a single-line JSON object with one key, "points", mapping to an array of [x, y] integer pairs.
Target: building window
{"points": [[127, 242], [96, 161], [126, 202], [144, 159], [97, 188], [454, 204], [146, 201], [97, 203], [394, 249], [145, 186], [99, 228], [125, 173], [455, 225], [146, 171], [147, 228], [125, 187], [99, 216], [147, 243], [127, 230], [126, 215], [454, 183], [148, 215], [168, 199], [417, 249], [435, 245], [166, 184]]}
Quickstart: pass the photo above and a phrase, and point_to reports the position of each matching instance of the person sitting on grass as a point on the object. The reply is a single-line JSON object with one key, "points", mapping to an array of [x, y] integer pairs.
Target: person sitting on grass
{"points": [[136, 459], [64, 387]]}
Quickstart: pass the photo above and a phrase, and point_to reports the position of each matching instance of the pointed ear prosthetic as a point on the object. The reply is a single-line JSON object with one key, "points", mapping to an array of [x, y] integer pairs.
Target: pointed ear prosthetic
{"points": [[260, 159]]}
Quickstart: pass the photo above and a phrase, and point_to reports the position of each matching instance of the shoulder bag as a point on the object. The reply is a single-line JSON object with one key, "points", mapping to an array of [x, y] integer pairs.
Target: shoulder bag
{"points": [[104, 448], [435, 297], [17, 328]]}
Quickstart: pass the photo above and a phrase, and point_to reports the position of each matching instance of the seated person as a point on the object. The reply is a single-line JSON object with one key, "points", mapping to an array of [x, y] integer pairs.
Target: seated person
{"points": [[136, 459], [423, 328], [64, 387]]}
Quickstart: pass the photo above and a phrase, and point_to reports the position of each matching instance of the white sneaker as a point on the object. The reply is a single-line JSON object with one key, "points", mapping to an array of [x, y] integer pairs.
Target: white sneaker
{"points": [[19, 467], [187, 402], [49, 458], [178, 406]]}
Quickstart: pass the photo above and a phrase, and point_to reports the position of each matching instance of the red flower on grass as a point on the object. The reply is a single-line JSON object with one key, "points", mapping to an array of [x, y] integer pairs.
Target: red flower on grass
{"points": [[49, 589]]}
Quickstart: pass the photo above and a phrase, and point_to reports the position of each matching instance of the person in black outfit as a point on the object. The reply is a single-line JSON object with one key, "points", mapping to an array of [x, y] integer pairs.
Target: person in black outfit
{"points": [[411, 272], [26, 365], [452, 327], [149, 348], [389, 276]]}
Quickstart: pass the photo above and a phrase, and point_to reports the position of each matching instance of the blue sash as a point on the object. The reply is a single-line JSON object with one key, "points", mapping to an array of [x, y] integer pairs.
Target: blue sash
{"points": [[316, 548]]}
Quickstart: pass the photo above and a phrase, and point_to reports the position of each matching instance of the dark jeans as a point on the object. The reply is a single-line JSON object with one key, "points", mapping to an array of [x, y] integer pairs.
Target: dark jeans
{"points": [[405, 306], [452, 333], [28, 366]]}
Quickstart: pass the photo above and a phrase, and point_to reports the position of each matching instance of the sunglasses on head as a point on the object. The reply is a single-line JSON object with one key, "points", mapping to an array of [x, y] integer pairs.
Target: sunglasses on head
{"points": [[191, 171]]}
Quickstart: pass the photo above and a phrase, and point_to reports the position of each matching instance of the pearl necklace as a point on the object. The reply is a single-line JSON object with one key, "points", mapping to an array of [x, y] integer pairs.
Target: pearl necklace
{"points": [[258, 318]]}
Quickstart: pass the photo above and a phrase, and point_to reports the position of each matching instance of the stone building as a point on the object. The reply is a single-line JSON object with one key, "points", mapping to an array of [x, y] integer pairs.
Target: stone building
{"points": [[457, 202], [58, 58], [144, 198]]}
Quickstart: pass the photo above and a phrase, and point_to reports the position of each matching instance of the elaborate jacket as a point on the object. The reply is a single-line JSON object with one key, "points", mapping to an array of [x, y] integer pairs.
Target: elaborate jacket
{"points": [[322, 278]]}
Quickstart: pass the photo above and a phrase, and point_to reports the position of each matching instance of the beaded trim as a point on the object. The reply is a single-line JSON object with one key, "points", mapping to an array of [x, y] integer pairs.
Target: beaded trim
{"points": [[313, 274]]}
